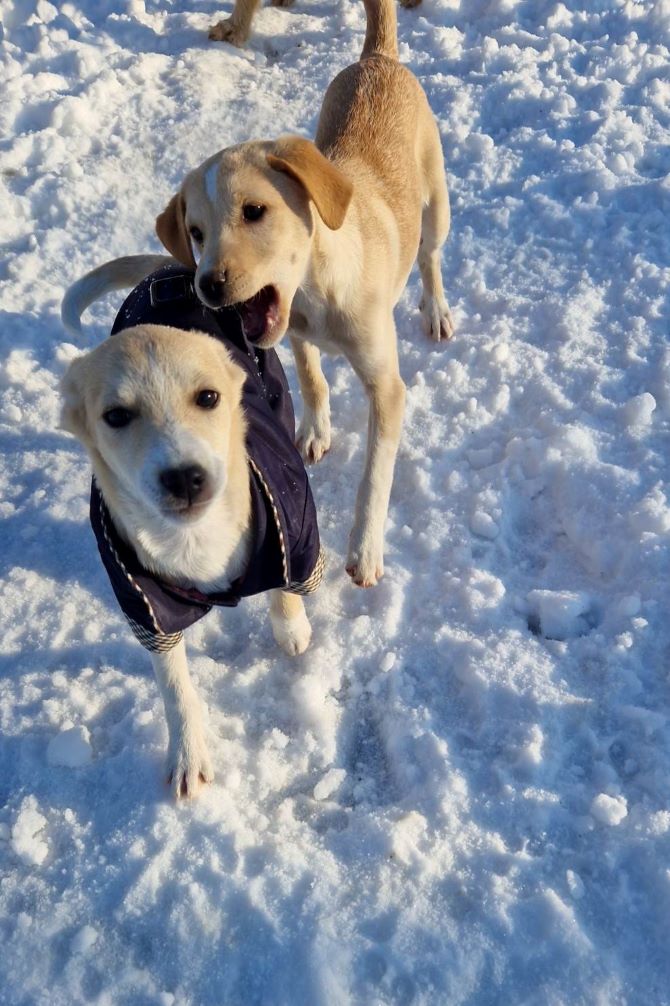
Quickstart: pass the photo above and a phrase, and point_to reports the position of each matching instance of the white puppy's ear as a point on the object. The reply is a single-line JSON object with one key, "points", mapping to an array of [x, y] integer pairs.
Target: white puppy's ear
{"points": [[329, 189], [235, 375], [171, 231], [73, 407]]}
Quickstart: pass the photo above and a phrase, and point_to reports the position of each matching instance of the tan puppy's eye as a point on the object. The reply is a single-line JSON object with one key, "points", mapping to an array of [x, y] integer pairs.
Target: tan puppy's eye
{"points": [[253, 211], [119, 417], [207, 399], [196, 234]]}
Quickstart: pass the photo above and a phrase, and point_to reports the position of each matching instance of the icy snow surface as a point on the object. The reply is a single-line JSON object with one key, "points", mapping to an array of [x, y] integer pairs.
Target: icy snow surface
{"points": [[461, 793]]}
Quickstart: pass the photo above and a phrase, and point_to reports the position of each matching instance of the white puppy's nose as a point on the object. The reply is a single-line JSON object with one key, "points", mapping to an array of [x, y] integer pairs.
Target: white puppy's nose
{"points": [[187, 483]]}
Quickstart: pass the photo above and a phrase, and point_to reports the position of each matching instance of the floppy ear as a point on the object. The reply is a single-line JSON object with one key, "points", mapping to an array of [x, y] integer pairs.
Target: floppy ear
{"points": [[329, 189], [235, 374], [171, 231], [73, 408]]}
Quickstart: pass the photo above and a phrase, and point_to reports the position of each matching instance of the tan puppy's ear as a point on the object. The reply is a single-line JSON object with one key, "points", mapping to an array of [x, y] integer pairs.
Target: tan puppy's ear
{"points": [[329, 189], [171, 231], [73, 408]]}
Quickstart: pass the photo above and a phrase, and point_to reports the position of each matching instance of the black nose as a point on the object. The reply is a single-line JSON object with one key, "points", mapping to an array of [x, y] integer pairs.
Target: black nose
{"points": [[185, 483], [212, 286]]}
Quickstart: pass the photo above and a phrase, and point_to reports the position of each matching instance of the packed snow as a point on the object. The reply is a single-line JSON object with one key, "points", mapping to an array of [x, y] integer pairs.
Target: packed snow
{"points": [[71, 747], [461, 793]]}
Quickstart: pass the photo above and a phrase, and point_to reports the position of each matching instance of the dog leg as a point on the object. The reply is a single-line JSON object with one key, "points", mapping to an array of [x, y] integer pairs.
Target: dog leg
{"points": [[236, 28], [435, 221], [386, 392], [290, 625], [188, 761], [313, 437]]}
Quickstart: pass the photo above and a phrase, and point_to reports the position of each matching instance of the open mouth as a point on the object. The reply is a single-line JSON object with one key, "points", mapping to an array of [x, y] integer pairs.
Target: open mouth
{"points": [[260, 314]]}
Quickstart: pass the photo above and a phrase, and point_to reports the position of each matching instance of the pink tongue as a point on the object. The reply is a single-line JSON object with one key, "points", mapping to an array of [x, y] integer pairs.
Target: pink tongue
{"points": [[253, 317], [255, 312]]}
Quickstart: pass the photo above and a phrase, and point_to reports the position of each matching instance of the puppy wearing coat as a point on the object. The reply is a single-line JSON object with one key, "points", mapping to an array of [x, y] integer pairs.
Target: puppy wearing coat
{"points": [[199, 496], [318, 239]]}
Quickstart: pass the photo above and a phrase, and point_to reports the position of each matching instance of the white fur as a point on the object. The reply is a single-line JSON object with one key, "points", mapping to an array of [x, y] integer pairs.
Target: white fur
{"points": [[207, 553], [188, 762], [292, 634], [313, 436]]}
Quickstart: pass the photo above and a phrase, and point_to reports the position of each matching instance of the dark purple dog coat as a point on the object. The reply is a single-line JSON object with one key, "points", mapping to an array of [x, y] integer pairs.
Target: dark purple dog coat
{"points": [[285, 549]]}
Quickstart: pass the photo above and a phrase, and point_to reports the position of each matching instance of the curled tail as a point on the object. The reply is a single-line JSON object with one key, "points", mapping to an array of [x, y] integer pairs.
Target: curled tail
{"points": [[381, 37], [119, 274]]}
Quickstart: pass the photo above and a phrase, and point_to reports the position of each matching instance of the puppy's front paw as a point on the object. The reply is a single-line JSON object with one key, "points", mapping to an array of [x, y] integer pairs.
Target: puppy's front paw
{"points": [[313, 438], [365, 561], [436, 318], [292, 634], [188, 764], [228, 31]]}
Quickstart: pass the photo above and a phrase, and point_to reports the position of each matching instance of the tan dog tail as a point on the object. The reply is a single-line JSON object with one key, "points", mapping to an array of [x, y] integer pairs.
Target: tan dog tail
{"points": [[119, 274], [381, 37]]}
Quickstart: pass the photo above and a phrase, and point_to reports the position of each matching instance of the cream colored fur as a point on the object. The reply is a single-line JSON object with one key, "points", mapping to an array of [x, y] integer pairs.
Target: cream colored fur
{"points": [[344, 220], [156, 373]]}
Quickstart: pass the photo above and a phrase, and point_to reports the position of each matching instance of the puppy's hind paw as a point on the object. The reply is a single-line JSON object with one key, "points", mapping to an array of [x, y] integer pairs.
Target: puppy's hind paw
{"points": [[293, 635], [436, 318], [228, 31], [188, 765]]}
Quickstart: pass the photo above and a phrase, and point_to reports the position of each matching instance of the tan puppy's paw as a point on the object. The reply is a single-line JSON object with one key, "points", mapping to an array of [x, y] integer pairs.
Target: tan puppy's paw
{"points": [[188, 764], [313, 437], [436, 319], [365, 563], [228, 31], [293, 635]]}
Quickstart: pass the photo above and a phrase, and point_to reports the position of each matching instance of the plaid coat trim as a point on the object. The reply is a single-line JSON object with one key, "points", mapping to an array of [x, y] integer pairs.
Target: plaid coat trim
{"points": [[155, 642], [312, 582]]}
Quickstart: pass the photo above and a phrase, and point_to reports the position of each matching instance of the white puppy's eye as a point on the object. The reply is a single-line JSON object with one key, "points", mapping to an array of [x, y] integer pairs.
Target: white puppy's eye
{"points": [[207, 399], [253, 211], [119, 417], [196, 234]]}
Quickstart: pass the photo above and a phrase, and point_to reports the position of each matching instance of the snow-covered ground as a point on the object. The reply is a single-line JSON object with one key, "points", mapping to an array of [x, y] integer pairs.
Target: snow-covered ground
{"points": [[461, 793]]}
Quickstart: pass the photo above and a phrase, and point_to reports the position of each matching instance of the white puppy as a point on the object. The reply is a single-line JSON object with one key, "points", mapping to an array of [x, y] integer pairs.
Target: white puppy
{"points": [[178, 501]]}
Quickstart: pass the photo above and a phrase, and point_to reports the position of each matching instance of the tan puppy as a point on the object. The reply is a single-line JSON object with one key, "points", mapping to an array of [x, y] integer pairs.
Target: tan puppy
{"points": [[148, 401], [319, 239], [237, 28]]}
